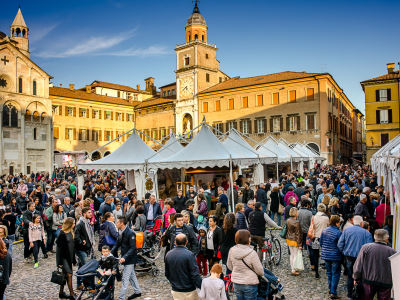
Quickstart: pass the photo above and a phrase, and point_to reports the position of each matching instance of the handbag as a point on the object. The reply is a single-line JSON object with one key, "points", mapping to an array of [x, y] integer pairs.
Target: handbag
{"points": [[219, 256], [200, 219], [357, 290], [298, 262], [283, 232], [58, 277], [311, 230], [110, 240], [281, 209], [315, 244]]}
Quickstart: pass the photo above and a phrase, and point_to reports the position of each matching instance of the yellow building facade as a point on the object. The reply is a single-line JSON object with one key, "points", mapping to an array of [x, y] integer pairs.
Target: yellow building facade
{"points": [[382, 108]]}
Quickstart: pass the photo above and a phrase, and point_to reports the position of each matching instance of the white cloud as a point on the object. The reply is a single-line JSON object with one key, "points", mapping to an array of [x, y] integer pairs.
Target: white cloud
{"points": [[149, 51], [90, 46], [36, 34]]}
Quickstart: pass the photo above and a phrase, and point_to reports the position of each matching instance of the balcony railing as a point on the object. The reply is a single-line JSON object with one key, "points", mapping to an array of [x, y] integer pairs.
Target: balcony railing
{"points": [[196, 41]]}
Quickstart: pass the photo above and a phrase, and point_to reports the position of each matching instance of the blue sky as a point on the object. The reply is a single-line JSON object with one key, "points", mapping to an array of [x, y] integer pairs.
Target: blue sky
{"points": [[127, 41]]}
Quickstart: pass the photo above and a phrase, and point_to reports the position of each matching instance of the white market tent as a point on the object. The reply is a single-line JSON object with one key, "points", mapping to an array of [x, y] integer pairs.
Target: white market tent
{"points": [[168, 149], [386, 163]]}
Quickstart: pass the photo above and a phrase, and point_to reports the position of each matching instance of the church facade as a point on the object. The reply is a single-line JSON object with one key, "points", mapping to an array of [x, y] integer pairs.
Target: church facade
{"points": [[25, 107]]}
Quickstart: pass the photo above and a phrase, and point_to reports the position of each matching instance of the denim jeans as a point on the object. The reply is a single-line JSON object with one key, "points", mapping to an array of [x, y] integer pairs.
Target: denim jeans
{"points": [[245, 291], [129, 276], [333, 272], [278, 217], [350, 281], [11, 238], [82, 259], [50, 239]]}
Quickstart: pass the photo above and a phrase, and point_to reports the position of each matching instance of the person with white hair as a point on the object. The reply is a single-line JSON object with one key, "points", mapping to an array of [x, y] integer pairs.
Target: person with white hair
{"points": [[350, 243], [362, 208], [373, 267]]}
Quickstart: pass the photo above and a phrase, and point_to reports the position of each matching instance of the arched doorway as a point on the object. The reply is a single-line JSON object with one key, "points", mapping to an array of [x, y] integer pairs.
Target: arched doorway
{"points": [[187, 123], [314, 146], [107, 153], [96, 155]]}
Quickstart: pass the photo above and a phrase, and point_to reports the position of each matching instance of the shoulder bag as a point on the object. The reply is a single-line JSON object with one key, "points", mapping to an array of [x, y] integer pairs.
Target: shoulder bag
{"points": [[311, 231], [283, 231]]}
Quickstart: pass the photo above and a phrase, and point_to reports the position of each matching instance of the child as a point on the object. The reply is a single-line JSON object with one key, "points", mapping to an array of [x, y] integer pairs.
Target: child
{"points": [[2, 206], [202, 256], [213, 288], [108, 266], [117, 211]]}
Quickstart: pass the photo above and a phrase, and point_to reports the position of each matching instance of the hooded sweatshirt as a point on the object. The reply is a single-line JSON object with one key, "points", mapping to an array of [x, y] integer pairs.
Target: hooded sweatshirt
{"points": [[242, 274]]}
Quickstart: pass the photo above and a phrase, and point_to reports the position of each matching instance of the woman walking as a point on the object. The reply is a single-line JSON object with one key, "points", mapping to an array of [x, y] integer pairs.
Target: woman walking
{"points": [[108, 231], [321, 221], [241, 222], [276, 200], [37, 238], [58, 218], [65, 256], [245, 266], [214, 240], [202, 210], [169, 204], [6, 264], [228, 238], [294, 238]]}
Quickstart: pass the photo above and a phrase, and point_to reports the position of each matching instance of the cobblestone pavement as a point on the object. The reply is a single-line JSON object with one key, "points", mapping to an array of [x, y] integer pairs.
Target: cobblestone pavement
{"points": [[28, 283]]}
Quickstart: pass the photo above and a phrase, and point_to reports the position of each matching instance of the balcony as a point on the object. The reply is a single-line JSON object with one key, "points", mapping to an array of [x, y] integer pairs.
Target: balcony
{"points": [[195, 42]]}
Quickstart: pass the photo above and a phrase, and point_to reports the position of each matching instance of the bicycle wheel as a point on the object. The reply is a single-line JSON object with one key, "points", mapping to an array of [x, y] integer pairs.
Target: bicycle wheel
{"points": [[229, 291], [277, 251]]}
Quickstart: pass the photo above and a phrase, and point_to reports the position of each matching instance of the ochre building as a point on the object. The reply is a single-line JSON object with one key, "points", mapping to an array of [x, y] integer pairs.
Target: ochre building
{"points": [[382, 108]]}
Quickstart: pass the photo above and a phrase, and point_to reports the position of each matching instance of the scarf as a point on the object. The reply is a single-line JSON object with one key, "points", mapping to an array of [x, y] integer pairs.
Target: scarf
{"points": [[89, 230]]}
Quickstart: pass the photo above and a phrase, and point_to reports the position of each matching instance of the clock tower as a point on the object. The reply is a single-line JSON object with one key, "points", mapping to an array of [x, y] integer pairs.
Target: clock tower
{"points": [[197, 69]]}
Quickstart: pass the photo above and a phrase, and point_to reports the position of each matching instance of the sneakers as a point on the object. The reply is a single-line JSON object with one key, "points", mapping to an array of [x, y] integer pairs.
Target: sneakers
{"points": [[45, 256], [133, 296], [36, 265]]}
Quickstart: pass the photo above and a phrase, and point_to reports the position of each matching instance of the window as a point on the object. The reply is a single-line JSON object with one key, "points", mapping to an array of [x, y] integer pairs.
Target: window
{"points": [[130, 118], [118, 94], [10, 115], [260, 100], [56, 132], [207, 77], [163, 132], [119, 117], [310, 94], [35, 134], [205, 107], [220, 128], [231, 104], [169, 93], [34, 88], [292, 96], [275, 98], [20, 85], [70, 111], [173, 92], [246, 126], [220, 79], [218, 105], [383, 95], [310, 122], [293, 123], [83, 134], [384, 139], [96, 114], [384, 116], [276, 124], [56, 109], [245, 102], [231, 125], [107, 135], [96, 135], [108, 115], [164, 94], [187, 61], [260, 126], [206, 55], [83, 113], [69, 133], [154, 134]]}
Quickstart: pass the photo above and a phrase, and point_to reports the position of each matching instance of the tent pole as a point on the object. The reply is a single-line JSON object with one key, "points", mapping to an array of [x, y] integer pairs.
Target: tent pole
{"points": [[291, 165], [231, 177], [277, 171]]}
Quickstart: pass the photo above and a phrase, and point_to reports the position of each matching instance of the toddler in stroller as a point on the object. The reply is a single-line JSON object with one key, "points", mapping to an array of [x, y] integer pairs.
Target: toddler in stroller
{"points": [[106, 270]]}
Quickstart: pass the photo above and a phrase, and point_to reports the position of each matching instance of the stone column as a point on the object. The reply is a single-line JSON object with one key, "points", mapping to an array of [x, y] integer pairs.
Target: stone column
{"points": [[1, 140], [22, 145]]}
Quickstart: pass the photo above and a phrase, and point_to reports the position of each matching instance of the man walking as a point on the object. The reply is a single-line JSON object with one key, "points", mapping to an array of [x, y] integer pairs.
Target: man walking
{"points": [[127, 242], [51, 234], [27, 218], [179, 227], [350, 243], [182, 271], [152, 210], [373, 267], [261, 197], [84, 238]]}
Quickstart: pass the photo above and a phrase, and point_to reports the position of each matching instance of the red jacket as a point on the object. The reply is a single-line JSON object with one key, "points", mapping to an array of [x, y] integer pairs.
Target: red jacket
{"points": [[380, 213]]}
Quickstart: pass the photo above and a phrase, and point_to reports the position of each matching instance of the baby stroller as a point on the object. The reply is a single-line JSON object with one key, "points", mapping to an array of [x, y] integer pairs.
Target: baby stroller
{"points": [[270, 288], [146, 261], [153, 237], [103, 288]]}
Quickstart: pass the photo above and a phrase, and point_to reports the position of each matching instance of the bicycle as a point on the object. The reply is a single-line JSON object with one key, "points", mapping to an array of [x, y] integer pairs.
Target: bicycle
{"points": [[228, 287], [271, 251]]}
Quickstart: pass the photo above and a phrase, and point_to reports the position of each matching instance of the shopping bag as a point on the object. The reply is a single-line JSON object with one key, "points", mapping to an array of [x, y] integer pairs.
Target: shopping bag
{"points": [[298, 262], [283, 232]]}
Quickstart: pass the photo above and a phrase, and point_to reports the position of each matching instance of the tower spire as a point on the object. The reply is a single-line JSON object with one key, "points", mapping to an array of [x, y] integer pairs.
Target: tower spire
{"points": [[196, 8]]}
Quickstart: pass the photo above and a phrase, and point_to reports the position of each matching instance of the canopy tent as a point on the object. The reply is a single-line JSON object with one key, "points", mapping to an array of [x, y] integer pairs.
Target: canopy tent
{"points": [[168, 149], [386, 163], [268, 145]]}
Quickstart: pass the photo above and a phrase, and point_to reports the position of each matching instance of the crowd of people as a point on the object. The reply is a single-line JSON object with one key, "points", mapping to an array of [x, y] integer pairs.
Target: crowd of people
{"points": [[337, 214]]}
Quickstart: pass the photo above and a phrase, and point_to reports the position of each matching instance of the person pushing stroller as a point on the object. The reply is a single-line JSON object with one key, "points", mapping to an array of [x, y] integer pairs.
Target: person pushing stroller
{"points": [[108, 269]]}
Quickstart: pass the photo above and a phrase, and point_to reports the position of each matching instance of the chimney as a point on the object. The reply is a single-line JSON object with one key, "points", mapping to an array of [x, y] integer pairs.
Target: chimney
{"points": [[60, 84], [71, 86], [138, 86], [88, 89], [390, 68]]}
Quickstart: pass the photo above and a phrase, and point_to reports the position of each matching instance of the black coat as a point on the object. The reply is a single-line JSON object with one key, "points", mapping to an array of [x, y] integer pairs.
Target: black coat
{"points": [[6, 263], [261, 196], [181, 270], [192, 244], [217, 239], [179, 203], [247, 195], [127, 242], [80, 236], [228, 241], [275, 200], [65, 254]]}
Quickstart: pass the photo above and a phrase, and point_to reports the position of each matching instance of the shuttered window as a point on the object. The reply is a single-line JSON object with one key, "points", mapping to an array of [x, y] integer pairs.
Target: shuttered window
{"points": [[292, 96], [218, 105], [56, 132], [231, 105], [311, 122], [260, 100], [275, 98], [245, 102], [310, 94], [383, 95], [205, 107]]}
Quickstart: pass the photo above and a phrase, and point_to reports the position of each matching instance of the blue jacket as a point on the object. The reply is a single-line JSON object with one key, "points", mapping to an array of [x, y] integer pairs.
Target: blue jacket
{"points": [[109, 229], [241, 222], [352, 239], [329, 241], [127, 242], [223, 199]]}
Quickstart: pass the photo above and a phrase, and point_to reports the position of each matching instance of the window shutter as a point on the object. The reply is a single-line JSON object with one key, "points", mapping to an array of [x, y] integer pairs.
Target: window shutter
{"points": [[281, 121], [312, 122], [271, 125], [66, 111], [241, 126], [74, 111], [235, 124], [389, 116], [80, 112], [287, 123], [112, 115], [88, 135], [99, 114], [56, 132], [378, 117], [87, 114], [255, 127], [112, 135], [92, 113], [249, 124], [100, 135], [66, 133], [123, 117], [105, 115], [74, 133], [60, 110], [298, 123], [265, 125], [377, 95], [389, 94]]}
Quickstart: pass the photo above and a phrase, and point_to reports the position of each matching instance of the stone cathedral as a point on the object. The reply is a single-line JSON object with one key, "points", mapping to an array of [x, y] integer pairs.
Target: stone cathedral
{"points": [[25, 107]]}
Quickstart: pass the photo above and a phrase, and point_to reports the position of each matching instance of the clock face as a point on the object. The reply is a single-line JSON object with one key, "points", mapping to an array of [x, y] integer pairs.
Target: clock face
{"points": [[186, 88]]}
